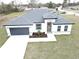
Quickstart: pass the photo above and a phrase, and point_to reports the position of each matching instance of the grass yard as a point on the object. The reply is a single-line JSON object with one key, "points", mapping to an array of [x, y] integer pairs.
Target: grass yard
{"points": [[3, 36], [66, 46]]}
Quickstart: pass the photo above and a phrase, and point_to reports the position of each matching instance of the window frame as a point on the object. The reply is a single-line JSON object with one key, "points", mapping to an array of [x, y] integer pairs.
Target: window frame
{"points": [[59, 28], [66, 28], [38, 26]]}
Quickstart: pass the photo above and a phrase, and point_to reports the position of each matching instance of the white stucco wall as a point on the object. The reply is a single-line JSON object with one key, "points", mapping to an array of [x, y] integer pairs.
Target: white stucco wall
{"points": [[43, 26], [54, 29], [32, 28]]}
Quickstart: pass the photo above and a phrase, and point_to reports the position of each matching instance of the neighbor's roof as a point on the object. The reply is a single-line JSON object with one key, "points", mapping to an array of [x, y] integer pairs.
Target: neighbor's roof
{"points": [[37, 15]]}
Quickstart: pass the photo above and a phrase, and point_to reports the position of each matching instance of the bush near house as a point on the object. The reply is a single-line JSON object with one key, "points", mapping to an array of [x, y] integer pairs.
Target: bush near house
{"points": [[38, 35]]}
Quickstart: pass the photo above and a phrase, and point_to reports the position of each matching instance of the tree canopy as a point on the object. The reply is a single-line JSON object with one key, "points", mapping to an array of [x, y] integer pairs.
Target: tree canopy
{"points": [[8, 8]]}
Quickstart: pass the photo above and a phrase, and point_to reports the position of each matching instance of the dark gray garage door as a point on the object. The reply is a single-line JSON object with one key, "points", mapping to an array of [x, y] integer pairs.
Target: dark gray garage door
{"points": [[19, 31]]}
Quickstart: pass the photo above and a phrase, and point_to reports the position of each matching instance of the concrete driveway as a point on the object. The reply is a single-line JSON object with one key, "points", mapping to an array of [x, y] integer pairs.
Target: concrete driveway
{"points": [[14, 48]]}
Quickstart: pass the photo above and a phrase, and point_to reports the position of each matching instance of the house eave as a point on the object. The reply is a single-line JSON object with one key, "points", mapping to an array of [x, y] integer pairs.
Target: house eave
{"points": [[20, 25], [63, 23], [49, 18]]}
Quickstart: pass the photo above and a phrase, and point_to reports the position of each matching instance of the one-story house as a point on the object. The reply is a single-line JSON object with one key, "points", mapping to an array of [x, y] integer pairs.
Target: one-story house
{"points": [[38, 20]]}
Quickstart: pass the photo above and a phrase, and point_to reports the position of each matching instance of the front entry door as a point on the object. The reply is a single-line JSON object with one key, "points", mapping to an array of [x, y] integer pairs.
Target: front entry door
{"points": [[49, 26]]}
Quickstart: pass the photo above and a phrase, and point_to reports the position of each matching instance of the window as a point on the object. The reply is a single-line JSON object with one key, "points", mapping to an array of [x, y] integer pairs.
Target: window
{"points": [[65, 28], [38, 26], [59, 28]]}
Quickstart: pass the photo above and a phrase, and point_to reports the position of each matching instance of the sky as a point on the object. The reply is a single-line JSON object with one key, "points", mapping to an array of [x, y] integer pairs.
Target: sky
{"points": [[42, 1]]}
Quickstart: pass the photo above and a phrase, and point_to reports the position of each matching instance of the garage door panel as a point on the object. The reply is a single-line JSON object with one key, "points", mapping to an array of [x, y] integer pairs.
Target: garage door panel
{"points": [[19, 31]]}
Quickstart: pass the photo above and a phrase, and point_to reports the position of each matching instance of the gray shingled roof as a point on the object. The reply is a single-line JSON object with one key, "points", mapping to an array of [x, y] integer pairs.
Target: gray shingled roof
{"points": [[50, 15], [62, 20], [37, 15], [30, 17]]}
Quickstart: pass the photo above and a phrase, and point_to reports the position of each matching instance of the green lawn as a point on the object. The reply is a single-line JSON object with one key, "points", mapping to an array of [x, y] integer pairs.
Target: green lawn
{"points": [[15, 14], [66, 46], [3, 36]]}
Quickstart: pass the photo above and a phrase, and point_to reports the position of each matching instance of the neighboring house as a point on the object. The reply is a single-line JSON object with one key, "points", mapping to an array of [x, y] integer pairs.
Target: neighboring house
{"points": [[36, 20]]}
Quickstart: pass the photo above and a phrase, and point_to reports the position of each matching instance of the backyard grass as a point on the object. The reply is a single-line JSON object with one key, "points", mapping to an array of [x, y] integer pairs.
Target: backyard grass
{"points": [[66, 46]]}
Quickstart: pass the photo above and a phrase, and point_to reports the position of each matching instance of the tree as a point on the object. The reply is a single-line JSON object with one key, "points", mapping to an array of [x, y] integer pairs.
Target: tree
{"points": [[50, 5], [64, 3], [33, 3], [2, 8], [8, 8], [68, 1]]}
